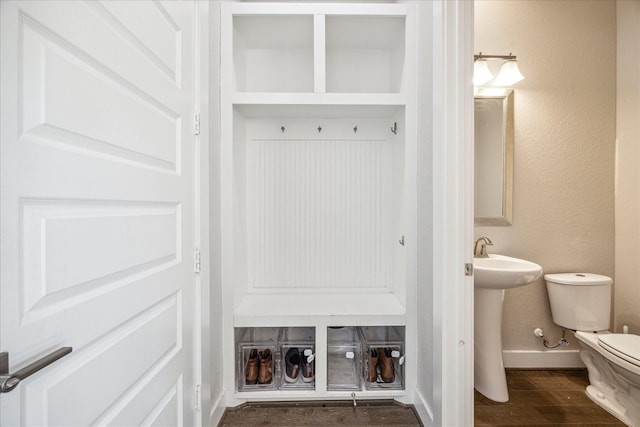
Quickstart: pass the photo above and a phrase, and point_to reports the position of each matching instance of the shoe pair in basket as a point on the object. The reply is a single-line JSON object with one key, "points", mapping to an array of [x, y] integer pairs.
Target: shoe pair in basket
{"points": [[381, 359], [295, 361], [259, 367]]}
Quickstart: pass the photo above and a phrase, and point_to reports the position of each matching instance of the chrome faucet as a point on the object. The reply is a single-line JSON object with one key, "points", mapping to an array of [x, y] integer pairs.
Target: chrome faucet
{"points": [[480, 248]]}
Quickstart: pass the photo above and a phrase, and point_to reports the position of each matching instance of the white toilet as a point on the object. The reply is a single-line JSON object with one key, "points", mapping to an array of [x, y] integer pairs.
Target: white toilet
{"points": [[582, 302]]}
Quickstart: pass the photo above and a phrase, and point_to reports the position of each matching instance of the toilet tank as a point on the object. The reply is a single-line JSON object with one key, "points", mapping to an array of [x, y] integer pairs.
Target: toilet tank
{"points": [[580, 301]]}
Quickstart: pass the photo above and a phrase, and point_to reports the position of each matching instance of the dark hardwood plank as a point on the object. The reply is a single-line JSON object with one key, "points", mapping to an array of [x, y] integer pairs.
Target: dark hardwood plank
{"points": [[543, 398]]}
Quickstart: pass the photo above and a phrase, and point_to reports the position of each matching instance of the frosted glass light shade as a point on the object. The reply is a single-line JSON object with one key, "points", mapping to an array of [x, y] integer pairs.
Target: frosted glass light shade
{"points": [[481, 73], [508, 75]]}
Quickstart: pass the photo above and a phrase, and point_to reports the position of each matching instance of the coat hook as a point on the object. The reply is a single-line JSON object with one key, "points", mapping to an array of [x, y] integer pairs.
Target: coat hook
{"points": [[319, 129], [355, 129], [401, 241], [282, 129], [394, 129]]}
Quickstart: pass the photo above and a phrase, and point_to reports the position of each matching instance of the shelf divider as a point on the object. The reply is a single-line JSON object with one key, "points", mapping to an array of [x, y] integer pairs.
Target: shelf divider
{"points": [[319, 55]]}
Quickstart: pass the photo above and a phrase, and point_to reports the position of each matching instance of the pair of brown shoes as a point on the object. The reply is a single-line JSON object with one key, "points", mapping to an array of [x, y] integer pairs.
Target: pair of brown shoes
{"points": [[381, 359], [259, 367]]}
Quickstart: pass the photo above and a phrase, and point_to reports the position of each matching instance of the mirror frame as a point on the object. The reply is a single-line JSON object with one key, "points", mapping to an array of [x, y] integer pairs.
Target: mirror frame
{"points": [[506, 94]]}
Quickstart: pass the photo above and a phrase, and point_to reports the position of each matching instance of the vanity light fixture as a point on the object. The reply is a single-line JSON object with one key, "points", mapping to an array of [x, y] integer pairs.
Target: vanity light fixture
{"points": [[481, 73], [508, 75]]}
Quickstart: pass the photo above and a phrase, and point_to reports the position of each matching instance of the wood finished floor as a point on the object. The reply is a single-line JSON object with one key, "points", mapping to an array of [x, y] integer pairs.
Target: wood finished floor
{"points": [[543, 398], [341, 413], [536, 398]]}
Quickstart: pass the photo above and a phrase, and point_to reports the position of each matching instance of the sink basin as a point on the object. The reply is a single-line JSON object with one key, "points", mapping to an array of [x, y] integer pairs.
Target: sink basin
{"points": [[503, 272]]}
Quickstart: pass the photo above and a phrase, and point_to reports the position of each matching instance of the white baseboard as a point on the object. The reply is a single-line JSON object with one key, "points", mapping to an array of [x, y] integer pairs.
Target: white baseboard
{"points": [[217, 410], [422, 408], [548, 359]]}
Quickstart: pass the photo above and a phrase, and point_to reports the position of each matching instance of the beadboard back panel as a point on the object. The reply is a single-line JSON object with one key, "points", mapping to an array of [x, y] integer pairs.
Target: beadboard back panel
{"points": [[320, 209]]}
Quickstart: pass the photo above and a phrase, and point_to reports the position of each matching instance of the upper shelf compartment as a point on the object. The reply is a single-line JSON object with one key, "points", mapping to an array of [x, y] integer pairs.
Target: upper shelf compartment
{"points": [[315, 49], [273, 53], [365, 54]]}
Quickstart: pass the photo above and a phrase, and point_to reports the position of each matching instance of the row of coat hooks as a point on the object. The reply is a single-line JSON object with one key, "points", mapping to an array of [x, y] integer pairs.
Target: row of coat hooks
{"points": [[394, 128]]}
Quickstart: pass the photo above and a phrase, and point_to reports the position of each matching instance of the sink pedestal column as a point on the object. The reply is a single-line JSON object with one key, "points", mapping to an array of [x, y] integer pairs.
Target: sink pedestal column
{"points": [[489, 376]]}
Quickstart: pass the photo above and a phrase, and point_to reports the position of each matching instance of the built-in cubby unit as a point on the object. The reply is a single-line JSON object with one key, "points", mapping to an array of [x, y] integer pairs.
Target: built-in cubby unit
{"points": [[257, 359], [297, 346], [344, 359], [383, 349], [352, 359], [318, 183], [273, 53], [310, 50], [272, 358], [364, 54]]}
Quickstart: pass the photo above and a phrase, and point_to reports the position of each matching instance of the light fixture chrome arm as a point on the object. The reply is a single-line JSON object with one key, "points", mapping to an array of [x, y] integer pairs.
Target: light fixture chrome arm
{"points": [[482, 56]]}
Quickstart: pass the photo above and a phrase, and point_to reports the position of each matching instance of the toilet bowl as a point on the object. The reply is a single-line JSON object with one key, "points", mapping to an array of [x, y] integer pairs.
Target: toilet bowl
{"points": [[614, 382], [581, 302]]}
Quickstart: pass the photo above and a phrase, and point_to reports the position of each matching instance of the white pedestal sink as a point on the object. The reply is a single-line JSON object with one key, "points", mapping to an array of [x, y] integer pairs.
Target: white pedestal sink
{"points": [[492, 275]]}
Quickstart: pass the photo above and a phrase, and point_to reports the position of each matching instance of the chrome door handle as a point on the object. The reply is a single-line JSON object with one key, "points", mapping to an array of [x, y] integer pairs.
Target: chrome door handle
{"points": [[10, 381]]}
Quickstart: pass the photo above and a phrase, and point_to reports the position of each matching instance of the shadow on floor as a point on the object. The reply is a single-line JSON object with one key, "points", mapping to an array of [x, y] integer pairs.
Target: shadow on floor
{"points": [[323, 413]]}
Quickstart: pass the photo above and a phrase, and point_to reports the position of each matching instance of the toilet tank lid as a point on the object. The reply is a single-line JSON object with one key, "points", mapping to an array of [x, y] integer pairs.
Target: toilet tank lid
{"points": [[578, 279]]}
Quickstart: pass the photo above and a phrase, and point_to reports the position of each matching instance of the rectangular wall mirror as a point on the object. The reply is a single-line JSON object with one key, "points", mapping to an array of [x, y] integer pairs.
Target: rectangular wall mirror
{"points": [[493, 163]]}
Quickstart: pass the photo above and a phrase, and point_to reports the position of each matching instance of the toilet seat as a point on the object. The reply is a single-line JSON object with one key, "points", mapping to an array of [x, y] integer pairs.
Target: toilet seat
{"points": [[625, 346]]}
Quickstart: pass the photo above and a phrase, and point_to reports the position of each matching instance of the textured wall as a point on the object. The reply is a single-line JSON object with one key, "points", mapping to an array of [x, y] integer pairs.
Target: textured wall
{"points": [[627, 288], [563, 209]]}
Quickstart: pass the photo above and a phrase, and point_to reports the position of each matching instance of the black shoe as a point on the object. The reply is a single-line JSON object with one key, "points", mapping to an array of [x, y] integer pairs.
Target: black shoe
{"points": [[292, 365]]}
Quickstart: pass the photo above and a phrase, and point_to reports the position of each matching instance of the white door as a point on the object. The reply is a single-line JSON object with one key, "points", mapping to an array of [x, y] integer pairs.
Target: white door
{"points": [[97, 210]]}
